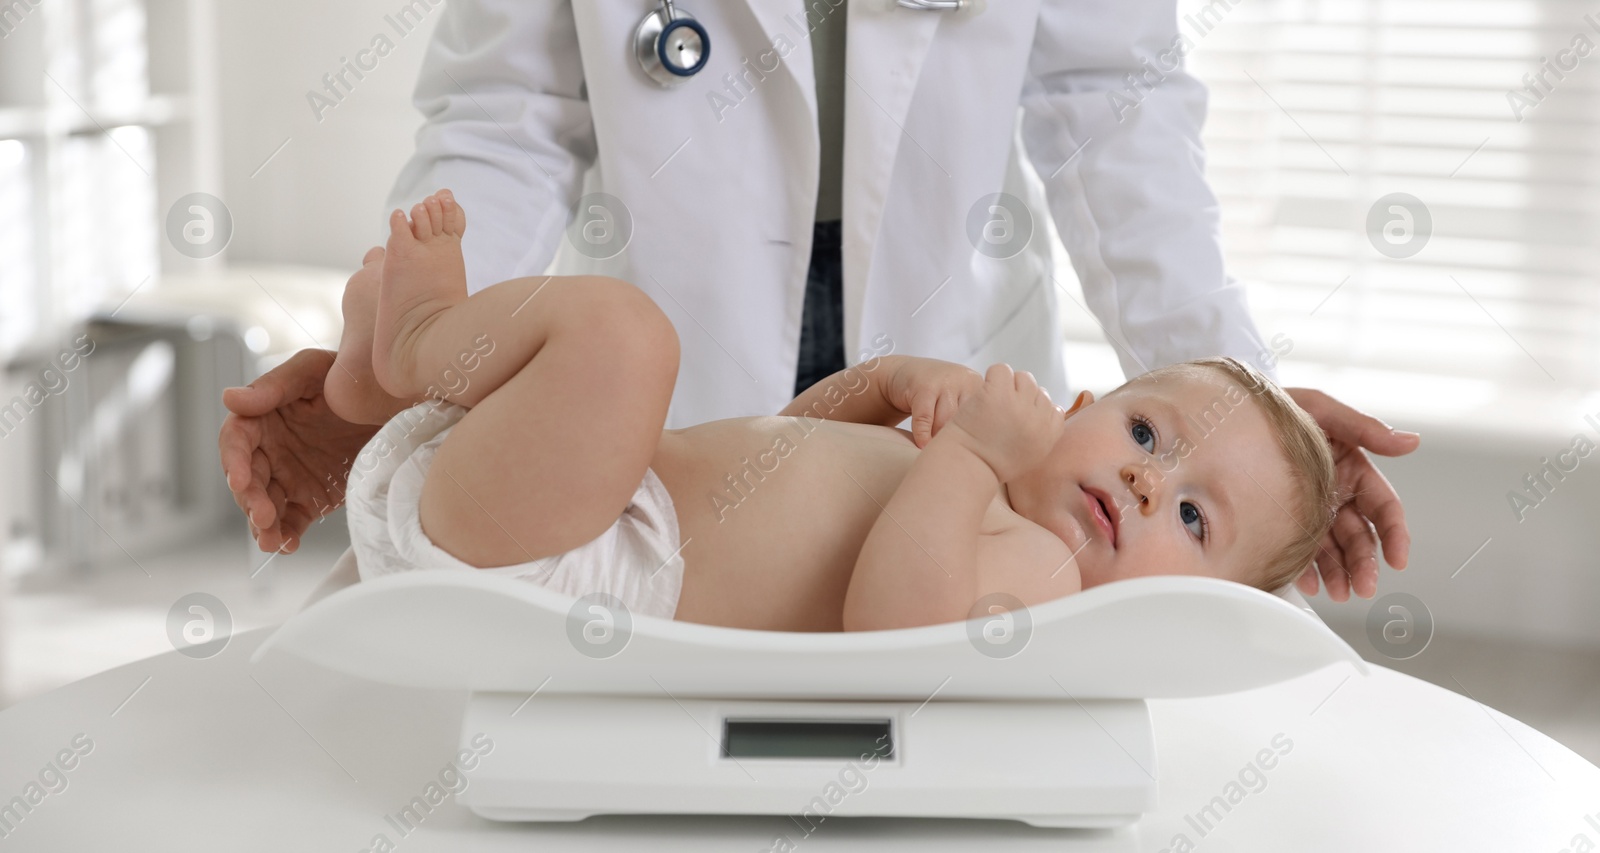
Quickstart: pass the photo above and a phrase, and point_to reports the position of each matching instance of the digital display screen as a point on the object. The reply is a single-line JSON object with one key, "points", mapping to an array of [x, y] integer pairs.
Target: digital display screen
{"points": [[806, 738]]}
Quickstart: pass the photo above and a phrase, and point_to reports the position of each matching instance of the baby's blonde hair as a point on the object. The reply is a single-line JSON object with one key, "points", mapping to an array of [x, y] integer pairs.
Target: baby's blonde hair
{"points": [[1310, 459]]}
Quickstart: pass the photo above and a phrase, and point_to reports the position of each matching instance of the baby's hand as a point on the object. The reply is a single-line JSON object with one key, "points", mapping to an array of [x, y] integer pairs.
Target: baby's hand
{"points": [[930, 391], [1009, 423]]}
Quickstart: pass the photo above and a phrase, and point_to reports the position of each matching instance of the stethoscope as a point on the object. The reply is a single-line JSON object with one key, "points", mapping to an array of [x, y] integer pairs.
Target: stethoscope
{"points": [[672, 46]]}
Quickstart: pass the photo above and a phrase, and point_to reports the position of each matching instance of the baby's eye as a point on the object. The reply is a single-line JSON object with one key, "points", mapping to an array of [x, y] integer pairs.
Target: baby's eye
{"points": [[1191, 515], [1142, 432]]}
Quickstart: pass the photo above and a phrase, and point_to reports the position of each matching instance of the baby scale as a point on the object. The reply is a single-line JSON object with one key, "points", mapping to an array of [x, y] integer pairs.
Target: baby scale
{"points": [[1037, 714]]}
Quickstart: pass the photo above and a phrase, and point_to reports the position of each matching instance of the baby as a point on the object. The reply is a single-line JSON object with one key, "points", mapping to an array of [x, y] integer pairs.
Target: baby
{"points": [[523, 435]]}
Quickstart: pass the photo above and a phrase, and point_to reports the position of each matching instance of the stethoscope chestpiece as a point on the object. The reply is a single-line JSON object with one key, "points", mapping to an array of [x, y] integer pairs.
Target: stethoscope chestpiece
{"points": [[671, 45]]}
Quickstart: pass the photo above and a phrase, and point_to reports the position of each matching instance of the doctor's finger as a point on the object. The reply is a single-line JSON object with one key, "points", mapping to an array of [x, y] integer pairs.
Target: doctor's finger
{"points": [[269, 540], [284, 537], [279, 501], [1360, 545], [300, 518], [298, 378], [257, 504], [1352, 426], [238, 438], [291, 524], [1331, 563], [1376, 499], [241, 499], [1307, 582], [261, 508]]}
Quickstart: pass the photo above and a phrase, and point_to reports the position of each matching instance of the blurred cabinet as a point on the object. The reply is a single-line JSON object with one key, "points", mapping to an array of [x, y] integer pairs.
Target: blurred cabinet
{"points": [[109, 441], [108, 115]]}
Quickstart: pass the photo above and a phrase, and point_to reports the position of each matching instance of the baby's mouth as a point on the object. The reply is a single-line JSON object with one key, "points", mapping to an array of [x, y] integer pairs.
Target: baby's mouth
{"points": [[1101, 512]]}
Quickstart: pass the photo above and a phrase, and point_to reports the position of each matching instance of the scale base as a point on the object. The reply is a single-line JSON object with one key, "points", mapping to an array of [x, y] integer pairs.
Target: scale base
{"points": [[1077, 821], [1085, 764]]}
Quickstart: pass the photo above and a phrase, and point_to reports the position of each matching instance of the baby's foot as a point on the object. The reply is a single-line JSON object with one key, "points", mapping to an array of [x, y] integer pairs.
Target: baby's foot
{"points": [[423, 274], [352, 389]]}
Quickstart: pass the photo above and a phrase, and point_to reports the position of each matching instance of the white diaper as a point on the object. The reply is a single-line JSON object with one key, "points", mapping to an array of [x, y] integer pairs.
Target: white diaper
{"points": [[635, 559]]}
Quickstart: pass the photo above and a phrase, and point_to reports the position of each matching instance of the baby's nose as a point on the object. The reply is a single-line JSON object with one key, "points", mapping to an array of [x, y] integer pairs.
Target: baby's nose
{"points": [[1141, 485]]}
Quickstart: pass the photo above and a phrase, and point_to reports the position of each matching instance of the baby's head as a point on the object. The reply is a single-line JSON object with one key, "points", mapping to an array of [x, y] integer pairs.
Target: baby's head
{"points": [[1208, 448]]}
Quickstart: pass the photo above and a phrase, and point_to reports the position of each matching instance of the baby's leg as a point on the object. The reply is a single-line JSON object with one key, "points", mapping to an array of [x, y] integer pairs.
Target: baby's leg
{"points": [[568, 378]]}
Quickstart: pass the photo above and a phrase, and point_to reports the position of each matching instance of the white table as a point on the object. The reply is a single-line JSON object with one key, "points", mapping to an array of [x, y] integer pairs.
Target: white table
{"points": [[215, 755]]}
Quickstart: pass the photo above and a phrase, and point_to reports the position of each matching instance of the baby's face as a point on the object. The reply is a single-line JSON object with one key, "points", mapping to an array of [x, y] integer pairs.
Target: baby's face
{"points": [[1189, 475]]}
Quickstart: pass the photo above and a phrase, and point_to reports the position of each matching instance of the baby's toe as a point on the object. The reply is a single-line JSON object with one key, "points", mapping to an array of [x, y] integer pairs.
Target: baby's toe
{"points": [[455, 219], [399, 229], [435, 213], [420, 226]]}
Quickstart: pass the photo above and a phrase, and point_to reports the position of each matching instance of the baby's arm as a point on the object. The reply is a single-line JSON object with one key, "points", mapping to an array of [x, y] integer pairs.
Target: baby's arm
{"points": [[885, 390], [857, 394], [924, 560], [918, 565]]}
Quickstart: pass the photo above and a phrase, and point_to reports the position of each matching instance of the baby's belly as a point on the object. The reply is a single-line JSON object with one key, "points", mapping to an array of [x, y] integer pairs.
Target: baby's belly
{"points": [[772, 512]]}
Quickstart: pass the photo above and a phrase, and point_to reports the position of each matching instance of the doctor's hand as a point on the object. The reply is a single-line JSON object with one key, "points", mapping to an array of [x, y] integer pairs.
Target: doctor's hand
{"points": [[285, 453], [1348, 558]]}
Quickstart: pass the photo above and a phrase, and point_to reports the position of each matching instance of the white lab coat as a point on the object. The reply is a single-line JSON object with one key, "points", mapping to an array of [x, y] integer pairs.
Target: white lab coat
{"points": [[529, 105]]}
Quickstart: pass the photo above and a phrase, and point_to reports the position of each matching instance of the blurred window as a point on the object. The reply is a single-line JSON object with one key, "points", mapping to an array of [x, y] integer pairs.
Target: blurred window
{"points": [[1319, 110]]}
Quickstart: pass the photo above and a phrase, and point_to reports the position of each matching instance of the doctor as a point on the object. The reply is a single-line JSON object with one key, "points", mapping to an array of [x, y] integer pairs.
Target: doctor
{"points": [[798, 182]]}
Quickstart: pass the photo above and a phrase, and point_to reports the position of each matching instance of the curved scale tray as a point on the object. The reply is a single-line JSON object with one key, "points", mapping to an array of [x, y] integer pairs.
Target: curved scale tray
{"points": [[1143, 638]]}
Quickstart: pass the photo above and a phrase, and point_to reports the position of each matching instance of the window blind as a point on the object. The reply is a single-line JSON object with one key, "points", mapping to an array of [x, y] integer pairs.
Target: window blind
{"points": [[1483, 111]]}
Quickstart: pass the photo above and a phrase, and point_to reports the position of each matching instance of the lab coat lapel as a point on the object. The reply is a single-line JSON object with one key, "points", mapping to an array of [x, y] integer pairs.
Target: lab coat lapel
{"points": [[885, 47], [786, 22]]}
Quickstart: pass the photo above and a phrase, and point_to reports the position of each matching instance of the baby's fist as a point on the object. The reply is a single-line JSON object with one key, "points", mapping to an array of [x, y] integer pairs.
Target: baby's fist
{"points": [[1010, 423]]}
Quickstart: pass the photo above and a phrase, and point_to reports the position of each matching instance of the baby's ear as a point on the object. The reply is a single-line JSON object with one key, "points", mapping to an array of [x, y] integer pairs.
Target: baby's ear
{"points": [[1084, 399]]}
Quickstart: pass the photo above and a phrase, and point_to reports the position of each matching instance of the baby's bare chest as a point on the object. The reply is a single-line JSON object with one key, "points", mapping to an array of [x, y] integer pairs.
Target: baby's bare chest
{"points": [[779, 488], [773, 511]]}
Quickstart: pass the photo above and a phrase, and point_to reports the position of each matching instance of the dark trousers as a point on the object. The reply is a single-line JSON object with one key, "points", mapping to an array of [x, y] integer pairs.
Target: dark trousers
{"points": [[822, 324]]}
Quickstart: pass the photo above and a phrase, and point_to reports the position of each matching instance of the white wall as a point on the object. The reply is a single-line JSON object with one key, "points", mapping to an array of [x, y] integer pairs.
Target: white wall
{"points": [[1537, 579], [320, 200]]}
